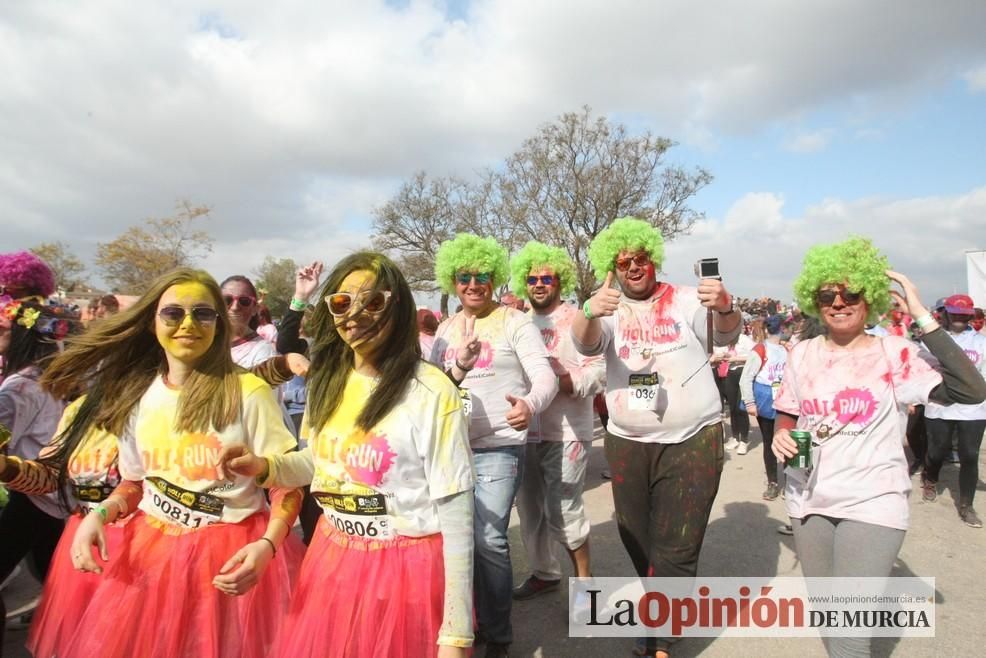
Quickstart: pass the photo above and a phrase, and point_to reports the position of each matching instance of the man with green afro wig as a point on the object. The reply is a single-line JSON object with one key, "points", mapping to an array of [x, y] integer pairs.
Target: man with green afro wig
{"points": [[549, 502], [854, 263], [470, 253], [496, 354], [664, 438]]}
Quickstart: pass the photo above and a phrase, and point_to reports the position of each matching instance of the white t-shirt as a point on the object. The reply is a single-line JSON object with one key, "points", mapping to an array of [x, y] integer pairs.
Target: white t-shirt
{"points": [[773, 370], [386, 482], [92, 471], [513, 361], [974, 346], [32, 417], [181, 485], [252, 352], [854, 402], [569, 417], [652, 347]]}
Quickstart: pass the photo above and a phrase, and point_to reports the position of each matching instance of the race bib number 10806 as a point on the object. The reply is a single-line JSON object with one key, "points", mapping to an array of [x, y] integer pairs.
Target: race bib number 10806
{"points": [[357, 515]]}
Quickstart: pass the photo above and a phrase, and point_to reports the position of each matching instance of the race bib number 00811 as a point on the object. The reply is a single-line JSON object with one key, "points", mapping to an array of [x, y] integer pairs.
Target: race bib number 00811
{"points": [[642, 392], [172, 504], [357, 515]]}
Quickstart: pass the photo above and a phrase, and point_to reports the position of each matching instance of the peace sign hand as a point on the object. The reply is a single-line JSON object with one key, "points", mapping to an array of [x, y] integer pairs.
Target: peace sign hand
{"points": [[469, 347]]}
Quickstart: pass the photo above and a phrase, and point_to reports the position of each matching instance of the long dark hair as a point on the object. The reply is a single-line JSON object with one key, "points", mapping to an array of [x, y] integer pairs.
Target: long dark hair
{"points": [[332, 359], [116, 361], [254, 320], [29, 346]]}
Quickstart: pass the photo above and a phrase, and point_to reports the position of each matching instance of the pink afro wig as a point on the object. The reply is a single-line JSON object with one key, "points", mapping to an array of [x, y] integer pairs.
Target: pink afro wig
{"points": [[24, 274]]}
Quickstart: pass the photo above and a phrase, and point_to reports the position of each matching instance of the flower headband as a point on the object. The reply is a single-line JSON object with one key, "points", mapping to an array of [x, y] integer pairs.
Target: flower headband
{"points": [[56, 328]]}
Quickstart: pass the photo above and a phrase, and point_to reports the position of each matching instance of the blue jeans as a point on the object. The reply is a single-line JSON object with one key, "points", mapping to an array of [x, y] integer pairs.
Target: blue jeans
{"points": [[498, 474]]}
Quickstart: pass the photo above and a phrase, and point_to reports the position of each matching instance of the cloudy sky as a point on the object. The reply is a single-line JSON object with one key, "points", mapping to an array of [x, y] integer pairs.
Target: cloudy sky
{"points": [[293, 120]]}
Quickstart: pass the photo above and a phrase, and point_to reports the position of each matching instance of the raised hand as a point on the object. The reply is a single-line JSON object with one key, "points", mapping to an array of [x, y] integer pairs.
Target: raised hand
{"points": [[712, 294], [519, 416], [605, 301], [236, 459], [306, 280], [911, 299], [467, 352]]}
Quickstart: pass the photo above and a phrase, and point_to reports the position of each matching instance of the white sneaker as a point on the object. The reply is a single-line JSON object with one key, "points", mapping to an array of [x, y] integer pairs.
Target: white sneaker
{"points": [[743, 448], [731, 444]]}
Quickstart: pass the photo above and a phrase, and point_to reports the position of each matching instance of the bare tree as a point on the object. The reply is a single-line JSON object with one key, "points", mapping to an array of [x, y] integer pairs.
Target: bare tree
{"points": [[563, 186], [411, 226], [142, 253], [67, 268], [275, 277], [575, 176]]}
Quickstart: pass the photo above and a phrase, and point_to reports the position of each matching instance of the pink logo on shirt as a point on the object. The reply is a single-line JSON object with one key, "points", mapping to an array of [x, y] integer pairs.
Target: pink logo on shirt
{"points": [[854, 405], [550, 337], [974, 356], [368, 457], [485, 355]]}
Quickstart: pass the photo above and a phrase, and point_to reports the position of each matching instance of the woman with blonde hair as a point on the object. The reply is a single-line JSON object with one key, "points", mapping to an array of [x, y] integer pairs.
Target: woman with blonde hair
{"points": [[205, 568]]}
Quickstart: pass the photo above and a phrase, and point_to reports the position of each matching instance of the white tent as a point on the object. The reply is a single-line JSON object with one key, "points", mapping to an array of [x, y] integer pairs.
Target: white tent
{"points": [[975, 264]]}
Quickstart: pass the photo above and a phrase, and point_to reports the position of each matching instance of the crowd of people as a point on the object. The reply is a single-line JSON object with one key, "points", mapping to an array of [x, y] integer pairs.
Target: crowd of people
{"points": [[159, 460]]}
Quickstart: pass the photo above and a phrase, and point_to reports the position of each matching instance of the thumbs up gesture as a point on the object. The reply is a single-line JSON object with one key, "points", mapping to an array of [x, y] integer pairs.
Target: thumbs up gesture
{"points": [[469, 347], [605, 301], [519, 416]]}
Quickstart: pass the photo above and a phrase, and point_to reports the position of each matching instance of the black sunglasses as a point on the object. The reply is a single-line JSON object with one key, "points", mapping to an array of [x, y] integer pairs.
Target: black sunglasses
{"points": [[827, 297], [243, 300], [545, 279], [173, 316]]}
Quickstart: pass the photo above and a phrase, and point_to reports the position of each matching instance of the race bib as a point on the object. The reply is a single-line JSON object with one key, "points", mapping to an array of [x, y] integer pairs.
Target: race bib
{"points": [[643, 392], [172, 504], [357, 515], [91, 494], [466, 398], [775, 390]]}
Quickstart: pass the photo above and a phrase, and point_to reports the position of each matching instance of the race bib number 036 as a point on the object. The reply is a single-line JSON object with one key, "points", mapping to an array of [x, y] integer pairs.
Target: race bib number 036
{"points": [[357, 515], [91, 494], [172, 504], [643, 392]]}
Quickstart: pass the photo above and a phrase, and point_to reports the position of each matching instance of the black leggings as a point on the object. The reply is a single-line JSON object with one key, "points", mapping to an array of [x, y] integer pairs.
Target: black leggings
{"points": [[769, 459], [24, 530], [970, 435], [739, 420]]}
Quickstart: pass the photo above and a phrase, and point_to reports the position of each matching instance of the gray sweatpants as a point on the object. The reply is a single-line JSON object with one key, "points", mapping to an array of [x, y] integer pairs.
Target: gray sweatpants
{"points": [[840, 548]]}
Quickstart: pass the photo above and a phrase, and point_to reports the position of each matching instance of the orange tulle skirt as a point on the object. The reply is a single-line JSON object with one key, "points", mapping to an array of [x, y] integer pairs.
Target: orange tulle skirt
{"points": [[156, 599], [358, 597], [66, 593]]}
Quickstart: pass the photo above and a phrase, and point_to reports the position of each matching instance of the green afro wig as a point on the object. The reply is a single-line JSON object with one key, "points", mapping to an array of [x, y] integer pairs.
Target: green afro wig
{"points": [[535, 256], [468, 252], [625, 234], [856, 263]]}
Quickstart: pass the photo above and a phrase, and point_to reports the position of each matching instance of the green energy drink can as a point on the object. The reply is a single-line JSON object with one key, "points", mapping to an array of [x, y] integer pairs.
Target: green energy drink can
{"points": [[803, 458]]}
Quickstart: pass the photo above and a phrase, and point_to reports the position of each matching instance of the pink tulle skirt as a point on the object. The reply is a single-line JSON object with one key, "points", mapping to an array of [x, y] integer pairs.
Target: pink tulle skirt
{"points": [[157, 600], [360, 598], [66, 593]]}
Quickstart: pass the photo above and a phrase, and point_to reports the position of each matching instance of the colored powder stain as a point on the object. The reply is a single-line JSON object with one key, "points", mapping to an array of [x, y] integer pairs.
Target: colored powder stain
{"points": [[618, 479], [905, 359], [666, 299]]}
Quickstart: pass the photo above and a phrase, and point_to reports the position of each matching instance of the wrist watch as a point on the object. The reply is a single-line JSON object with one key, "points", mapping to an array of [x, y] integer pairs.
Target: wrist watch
{"points": [[732, 308]]}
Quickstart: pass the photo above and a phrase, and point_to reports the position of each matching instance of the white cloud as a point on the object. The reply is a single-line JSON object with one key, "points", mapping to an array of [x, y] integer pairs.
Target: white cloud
{"points": [[976, 79], [760, 249], [809, 142], [293, 119]]}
